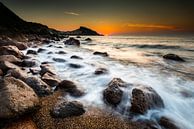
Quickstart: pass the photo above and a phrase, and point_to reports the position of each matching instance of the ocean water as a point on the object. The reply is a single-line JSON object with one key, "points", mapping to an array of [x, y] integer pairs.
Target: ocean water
{"points": [[136, 60]]}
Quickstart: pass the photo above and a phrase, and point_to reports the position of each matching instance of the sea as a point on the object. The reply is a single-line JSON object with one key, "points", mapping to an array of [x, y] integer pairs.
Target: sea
{"points": [[136, 60]]}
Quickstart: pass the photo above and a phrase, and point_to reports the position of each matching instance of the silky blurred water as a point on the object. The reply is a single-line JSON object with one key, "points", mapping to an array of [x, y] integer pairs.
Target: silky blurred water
{"points": [[136, 60]]}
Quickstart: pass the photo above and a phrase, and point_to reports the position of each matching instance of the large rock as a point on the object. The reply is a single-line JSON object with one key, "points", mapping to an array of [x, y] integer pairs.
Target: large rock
{"points": [[167, 123], [145, 98], [17, 73], [10, 58], [70, 87], [100, 71], [173, 57], [16, 98], [46, 68], [101, 53], [11, 50], [5, 66], [19, 45], [65, 109], [72, 41], [50, 79], [40, 87], [33, 52], [113, 94]]}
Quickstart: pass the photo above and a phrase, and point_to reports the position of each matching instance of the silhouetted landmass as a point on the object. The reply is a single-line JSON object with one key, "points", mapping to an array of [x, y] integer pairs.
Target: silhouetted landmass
{"points": [[12, 25], [83, 31]]}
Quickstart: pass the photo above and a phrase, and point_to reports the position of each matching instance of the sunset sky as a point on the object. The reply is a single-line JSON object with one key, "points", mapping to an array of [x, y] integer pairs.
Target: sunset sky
{"points": [[110, 16]]}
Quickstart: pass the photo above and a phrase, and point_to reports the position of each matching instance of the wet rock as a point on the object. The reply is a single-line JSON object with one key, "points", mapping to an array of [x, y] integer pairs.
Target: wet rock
{"points": [[59, 60], [40, 87], [70, 87], [1, 72], [10, 58], [145, 98], [11, 50], [17, 73], [16, 98], [72, 41], [46, 68], [50, 79], [100, 71], [173, 57], [76, 66], [78, 36], [50, 45], [117, 82], [61, 52], [34, 71], [33, 52], [46, 41], [101, 53], [41, 50], [113, 95], [27, 63], [19, 45], [76, 57], [65, 109], [5, 66], [88, 39], [167, 123], [50, 53]]}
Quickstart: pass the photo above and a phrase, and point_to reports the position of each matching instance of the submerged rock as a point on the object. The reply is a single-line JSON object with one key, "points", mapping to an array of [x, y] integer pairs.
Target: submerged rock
{"points": [[101, 53], [76, 66], [173, 57], [16, 98], [41, 50], [27, 63], [72, 41], [65, 109], [50, 79], [40, 87], [145, 98], [59, 60], [88, 39], [11, 50], [100, 71], [76, 57], [167, 123], [61, 52], [33, 52]]}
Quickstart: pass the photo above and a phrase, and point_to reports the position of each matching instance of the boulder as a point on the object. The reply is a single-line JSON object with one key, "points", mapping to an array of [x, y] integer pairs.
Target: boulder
{"points": [[46, 68], [75, 66], [113, 95], [72, 41], [5, 66], [40, 87], [60, 60], [50, 79], [17, 73], [41, 50], [34, 71], [27, 63], [1, 73], [167, 123], [70, 87], [101, 53], [11, 50], [76, 57], [145, 98], [100, 71], [88, 39], [173, 57], [61, 52], [65, 109], [19, 45], [16, 98], [33, 52], [10, 58]]}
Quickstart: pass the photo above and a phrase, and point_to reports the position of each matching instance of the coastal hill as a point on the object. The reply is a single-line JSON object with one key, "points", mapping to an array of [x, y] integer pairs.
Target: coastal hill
{"points": [[12, 25], [83, 31]]}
